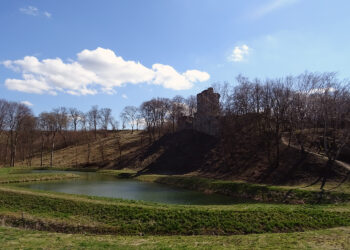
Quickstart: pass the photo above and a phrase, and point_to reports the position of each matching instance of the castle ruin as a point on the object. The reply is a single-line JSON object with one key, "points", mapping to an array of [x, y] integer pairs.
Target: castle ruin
{"points": [[206, 119]]}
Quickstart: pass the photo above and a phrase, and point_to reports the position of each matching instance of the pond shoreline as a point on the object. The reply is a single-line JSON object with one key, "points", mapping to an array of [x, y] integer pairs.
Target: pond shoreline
{"points": [[243, 190], [49, 211]]}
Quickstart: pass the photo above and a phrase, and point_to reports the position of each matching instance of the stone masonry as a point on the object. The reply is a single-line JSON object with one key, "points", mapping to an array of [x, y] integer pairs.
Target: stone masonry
{"points": [[206, 119]]}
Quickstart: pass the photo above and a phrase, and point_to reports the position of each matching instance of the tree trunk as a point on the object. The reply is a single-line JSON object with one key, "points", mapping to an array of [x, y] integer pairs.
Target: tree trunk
{"points": [[76, 154], [88, 152], [11, 147], [277, 141], [42, 151], [52, 148], [6, 148]]}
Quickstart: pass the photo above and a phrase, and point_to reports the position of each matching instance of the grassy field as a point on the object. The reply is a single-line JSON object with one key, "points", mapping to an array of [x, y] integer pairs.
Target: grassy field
{"points": [[337, 238], [135, 218], [55, 212]]}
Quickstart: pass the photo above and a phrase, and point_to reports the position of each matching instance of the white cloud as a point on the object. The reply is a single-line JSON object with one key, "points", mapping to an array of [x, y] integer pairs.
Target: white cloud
{"points": [[168, 77], [99, 70], [111, 70], [30, 10], [271, 6], [196, 75], [34, 11], [47, 14], [124, 96], [27, 103], [239, 53]]}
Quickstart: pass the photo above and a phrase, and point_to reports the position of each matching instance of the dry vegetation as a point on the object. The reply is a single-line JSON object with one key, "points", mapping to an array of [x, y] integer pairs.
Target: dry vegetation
{"points": [[112, 156]]}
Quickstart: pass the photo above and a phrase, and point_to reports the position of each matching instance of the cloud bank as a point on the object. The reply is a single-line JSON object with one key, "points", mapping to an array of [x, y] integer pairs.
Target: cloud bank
{"points": [[94, 71]]}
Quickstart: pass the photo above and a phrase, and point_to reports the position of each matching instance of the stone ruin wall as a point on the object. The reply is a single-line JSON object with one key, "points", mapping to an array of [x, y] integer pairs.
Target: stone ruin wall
{"points": [[206, 119]]}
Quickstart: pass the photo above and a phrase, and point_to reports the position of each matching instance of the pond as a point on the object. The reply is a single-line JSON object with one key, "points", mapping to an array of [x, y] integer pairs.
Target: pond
{"points": [[103, 185]]}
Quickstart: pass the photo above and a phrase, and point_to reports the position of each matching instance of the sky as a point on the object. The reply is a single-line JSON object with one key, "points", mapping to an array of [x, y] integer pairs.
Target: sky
{"points": [[115, 53]]}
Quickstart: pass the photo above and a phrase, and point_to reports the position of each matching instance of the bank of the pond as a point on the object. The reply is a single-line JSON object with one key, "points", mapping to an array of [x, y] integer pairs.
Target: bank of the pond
{"points": [[72, 214], [237, 190], [249, 191], [104, 185], [337, 238], [50, 211], [256, 192], [17, 175]]}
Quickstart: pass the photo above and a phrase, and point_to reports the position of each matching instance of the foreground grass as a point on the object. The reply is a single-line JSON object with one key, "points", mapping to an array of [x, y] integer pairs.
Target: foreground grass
{"points": [[77, 213], [56, 212], [337, 238]]}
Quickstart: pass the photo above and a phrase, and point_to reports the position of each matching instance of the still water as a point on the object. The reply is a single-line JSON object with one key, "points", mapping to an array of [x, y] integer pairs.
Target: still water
{"points": [[108, 186]]}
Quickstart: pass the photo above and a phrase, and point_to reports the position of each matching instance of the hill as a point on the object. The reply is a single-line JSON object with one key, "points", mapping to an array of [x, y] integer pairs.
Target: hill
{"points": [[192, 153]]}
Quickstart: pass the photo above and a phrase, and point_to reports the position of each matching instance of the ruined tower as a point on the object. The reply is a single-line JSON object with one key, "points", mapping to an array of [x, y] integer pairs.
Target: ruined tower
{"points": [[206, 119]]}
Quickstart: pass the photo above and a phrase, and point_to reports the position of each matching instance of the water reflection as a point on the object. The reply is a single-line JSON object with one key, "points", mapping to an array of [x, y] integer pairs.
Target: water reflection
{"points": [[108, 186]]}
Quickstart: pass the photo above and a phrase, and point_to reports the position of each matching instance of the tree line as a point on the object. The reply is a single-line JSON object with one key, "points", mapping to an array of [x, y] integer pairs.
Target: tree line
{"points": [[24, 135], [310, 111]]}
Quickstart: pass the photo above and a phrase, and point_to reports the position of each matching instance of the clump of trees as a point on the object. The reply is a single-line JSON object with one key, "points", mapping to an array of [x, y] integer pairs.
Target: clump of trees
{"points": [[161, 115], [17, 120], [23, 135], [310, 112]]}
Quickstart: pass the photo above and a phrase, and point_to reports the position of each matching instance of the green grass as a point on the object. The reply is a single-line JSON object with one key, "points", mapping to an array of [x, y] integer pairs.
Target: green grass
{"points": [[78, 213], [15, 175], [134, 218], [337, 238]]}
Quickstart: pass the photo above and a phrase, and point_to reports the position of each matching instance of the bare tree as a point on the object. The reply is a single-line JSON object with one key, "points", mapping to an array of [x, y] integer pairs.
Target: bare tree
{"points": [[51, 124], [75, 116], [4, 119], [139, 120], [105, 116], [129, 113], [114, 124], [17, 115], [124, 119], [176, 110], [62, 119], [191, 103], [93, 117]]}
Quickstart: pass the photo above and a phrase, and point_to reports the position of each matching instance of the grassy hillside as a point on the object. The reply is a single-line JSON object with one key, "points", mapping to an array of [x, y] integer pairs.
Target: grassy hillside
{"points": [[190, 152], [104, 151]]}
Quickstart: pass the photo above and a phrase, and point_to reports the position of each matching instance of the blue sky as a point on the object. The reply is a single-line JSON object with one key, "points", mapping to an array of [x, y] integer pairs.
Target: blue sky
{"points": [[117, 53]]}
